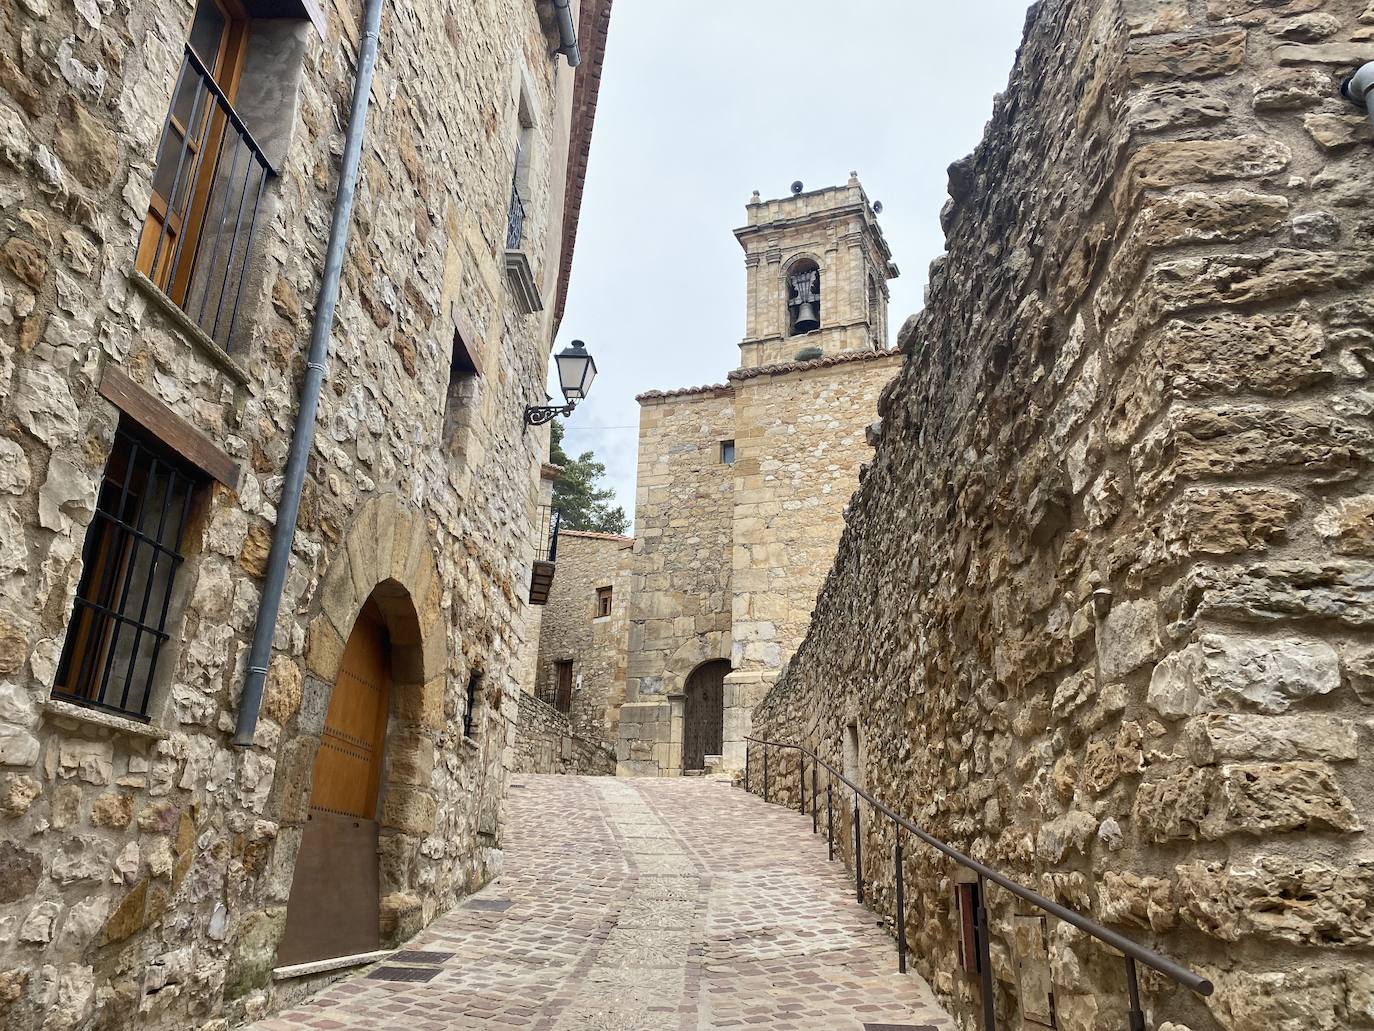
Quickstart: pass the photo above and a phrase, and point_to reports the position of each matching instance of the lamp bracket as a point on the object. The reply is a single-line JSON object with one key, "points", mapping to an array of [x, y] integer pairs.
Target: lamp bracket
{"points": [[537, 415]]}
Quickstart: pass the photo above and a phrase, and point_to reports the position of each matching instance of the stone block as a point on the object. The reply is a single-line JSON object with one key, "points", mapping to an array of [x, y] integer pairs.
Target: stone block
{"points": [[1280, 900], [1128, 638], [1338, 591], [1245, 798], [1220, 737], [1190, 56], [1260, 675]]}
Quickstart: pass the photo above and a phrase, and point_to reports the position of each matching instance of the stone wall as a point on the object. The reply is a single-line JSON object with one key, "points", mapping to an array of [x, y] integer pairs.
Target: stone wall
{"points": [[147, 866], [545, 742], [571, 631], [1101, 612], [800, 438]]}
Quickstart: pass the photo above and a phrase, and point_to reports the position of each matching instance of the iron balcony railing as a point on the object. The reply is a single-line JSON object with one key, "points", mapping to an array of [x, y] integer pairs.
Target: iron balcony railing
{"points": [[1132, 952], [550, 519], [213, 209], [515, 220]]}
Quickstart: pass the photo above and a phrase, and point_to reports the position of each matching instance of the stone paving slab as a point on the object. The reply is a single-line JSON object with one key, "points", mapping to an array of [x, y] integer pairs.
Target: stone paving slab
{"points": [[645, 905]]}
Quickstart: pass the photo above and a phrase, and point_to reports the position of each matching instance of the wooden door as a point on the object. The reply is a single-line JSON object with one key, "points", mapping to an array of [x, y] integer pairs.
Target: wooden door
{"points": [[333, 910], [704, 718], [563, 698]]}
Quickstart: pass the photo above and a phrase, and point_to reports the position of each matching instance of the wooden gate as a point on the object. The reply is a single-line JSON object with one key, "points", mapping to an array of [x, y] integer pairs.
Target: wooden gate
{"points": [[333, 910], [705, 714]]}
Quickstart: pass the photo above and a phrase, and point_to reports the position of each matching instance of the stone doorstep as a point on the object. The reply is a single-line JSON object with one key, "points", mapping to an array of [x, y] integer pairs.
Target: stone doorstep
{"points": [[323, 966]]}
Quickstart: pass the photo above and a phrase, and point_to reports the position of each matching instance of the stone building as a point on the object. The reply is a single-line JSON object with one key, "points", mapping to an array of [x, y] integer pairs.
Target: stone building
{"points": [[1101, 614], [583, 636], [742, 486], [168, 171]]}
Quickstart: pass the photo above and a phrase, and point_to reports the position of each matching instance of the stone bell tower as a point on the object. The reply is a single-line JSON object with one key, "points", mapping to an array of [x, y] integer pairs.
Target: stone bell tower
{"points": [[818, 268]]}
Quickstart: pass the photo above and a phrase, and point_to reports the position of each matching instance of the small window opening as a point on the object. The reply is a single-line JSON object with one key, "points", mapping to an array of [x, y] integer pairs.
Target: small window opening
{"points": [[459, 402], [603, 602], [123, 608], [853, 756], [520, 191], [562, 699], [727, 452], [966, 902], [470, 712], [804, 297]]}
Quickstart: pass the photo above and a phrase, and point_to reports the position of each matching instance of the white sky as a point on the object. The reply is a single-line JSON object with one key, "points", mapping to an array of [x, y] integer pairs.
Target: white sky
{"points": [[703, 103]]}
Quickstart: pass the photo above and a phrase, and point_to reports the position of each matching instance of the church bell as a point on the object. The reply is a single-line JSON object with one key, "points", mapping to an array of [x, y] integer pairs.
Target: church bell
{"points": [[806, 319]]}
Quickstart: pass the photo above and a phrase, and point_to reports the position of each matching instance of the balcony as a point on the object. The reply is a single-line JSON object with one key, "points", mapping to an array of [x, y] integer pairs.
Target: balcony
{"points": [[541, 576], [519, 272], [206, 205]]}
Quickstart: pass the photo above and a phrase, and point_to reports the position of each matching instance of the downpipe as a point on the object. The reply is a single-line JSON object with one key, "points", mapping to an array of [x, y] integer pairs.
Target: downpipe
{"points": [[288, 508], [567, 34], [1356, 89]]}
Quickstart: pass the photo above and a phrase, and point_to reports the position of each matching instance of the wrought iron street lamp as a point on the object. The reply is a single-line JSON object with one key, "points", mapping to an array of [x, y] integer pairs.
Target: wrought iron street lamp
{"points": [[576, 370]]}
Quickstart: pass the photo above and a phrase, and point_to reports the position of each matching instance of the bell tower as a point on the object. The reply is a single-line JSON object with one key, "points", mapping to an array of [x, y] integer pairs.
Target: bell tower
{"points": [[817, 268]]}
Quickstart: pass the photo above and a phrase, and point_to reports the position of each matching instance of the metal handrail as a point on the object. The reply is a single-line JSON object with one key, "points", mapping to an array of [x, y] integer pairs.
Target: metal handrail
{"points": [[1132, 951]]}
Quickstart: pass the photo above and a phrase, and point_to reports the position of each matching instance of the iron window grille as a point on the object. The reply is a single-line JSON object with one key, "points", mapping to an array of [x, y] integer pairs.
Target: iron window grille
{"points": [[469, 713], [515, 214], [550, 519], [129, 567], [208, 188]]}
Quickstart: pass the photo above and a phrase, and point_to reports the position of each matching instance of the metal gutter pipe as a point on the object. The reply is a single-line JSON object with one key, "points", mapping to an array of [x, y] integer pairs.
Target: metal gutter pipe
{"points": [[567, 33], [288, 508]]}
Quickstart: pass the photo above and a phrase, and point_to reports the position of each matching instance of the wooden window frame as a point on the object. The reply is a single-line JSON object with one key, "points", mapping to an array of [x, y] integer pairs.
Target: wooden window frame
{"points": [[604, 596], [158, 252]]}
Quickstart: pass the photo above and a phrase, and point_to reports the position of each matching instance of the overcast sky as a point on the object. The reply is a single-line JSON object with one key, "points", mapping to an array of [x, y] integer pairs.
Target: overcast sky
{"points": [[703, 103]]}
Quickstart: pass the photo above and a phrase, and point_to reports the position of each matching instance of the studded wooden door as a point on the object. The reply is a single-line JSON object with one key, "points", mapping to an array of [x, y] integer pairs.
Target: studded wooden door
{"points": [[335, 900], [704, 714]]}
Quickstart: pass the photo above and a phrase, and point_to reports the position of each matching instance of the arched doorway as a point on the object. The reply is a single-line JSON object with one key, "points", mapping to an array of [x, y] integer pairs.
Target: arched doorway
{"points": [[335, 893], [703, 714]]}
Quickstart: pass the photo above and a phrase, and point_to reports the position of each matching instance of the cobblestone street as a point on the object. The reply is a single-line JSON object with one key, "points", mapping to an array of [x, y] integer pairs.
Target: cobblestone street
{"points": [[642, 905]]}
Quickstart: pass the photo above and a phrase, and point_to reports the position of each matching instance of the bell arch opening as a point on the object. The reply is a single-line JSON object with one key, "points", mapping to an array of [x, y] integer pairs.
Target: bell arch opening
{"points": [[803, 280]]}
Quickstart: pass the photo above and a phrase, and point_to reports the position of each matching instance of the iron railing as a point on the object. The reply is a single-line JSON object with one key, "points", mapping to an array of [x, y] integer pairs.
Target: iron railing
{"points": [[515, 220], [550, 519], [1132, 952], [206, 203]]}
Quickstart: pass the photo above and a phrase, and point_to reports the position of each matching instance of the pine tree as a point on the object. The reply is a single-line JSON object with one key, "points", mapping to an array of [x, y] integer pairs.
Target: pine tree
{"points": [[576, 495]]}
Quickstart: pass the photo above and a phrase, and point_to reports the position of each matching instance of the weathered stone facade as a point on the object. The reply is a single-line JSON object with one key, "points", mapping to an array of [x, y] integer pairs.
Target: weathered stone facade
{"points": [[731, 547], [545, 742], [146, 864], [574, 631], [1101, 612]]}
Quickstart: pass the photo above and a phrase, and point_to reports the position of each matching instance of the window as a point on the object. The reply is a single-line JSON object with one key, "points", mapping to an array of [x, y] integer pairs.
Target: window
{"points": [[129, 569], [208, 178], [603, 602], [520, 182], [562, 699], [460, 402], [803, 297], [469, 713], [727, 452], [853, 753]]}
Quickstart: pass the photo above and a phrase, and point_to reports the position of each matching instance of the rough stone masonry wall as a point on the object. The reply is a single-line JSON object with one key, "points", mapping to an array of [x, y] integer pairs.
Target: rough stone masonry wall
{"points": [[1102, 611], [545, 742], [145, 875], [572, 631]]}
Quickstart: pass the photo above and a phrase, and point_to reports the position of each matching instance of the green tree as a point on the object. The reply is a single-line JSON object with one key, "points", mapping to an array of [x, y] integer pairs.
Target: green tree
{"points": [[584, 505]]}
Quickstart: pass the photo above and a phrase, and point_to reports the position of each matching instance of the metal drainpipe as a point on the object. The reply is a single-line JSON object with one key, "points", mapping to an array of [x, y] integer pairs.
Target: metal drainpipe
{"points": [[567, 33], [289, 506]]}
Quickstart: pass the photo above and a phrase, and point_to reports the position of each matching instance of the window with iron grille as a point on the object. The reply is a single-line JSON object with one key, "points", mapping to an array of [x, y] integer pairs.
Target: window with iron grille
{"points": [[129, 570], [469, 713]]}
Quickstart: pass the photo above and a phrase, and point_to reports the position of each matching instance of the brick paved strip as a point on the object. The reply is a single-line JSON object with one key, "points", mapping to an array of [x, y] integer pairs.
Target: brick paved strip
{"points": [[645, 905]]}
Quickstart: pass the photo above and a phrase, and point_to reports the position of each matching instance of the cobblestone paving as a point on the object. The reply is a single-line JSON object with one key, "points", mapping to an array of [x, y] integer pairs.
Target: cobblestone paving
{"points": [[644, 905]]}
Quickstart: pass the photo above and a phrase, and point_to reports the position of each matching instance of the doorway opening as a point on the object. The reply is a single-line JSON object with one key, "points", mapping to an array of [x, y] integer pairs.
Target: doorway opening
{"points": [[704, 714]]}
